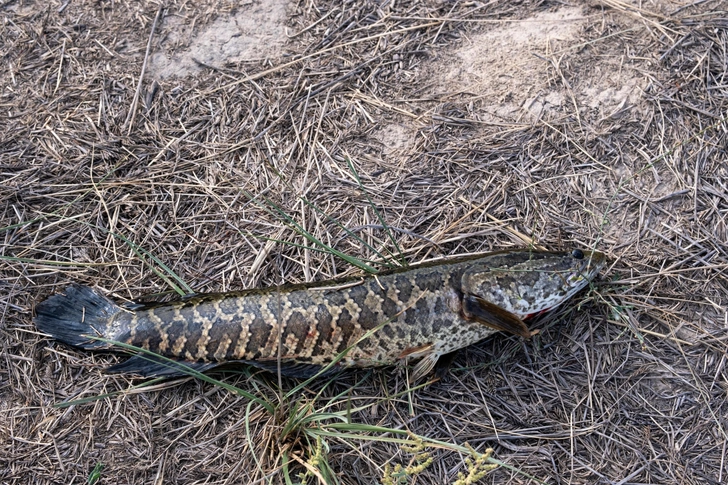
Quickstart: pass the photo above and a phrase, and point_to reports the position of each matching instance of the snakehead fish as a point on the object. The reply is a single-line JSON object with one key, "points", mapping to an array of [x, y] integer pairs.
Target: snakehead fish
{"points": [[421, 312]]}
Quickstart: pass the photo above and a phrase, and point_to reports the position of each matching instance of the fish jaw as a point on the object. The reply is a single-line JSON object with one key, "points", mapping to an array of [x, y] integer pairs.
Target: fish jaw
{"points": [[578, 276]]}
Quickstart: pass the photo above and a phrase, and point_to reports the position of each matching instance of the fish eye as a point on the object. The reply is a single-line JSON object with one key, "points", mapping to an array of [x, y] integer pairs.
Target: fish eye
{"points": [[578, 254]]}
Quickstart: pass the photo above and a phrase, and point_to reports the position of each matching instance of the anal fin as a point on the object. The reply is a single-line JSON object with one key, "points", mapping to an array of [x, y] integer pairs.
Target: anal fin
{"points": [[492, 315], [148, 365], [298, 370]]}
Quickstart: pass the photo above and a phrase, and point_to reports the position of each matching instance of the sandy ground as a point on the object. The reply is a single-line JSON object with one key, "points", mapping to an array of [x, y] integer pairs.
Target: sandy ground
{"points": [[130, 155]]}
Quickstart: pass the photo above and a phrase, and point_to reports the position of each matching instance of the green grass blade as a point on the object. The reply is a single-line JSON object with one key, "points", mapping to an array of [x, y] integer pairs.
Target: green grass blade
{"points": [[401, 259], [274, 210], [250, 438], [144, 256], [350, 233], [302, 246], [383, 258], [142, 253], [286, 471], [64, 206], [95, 474]]}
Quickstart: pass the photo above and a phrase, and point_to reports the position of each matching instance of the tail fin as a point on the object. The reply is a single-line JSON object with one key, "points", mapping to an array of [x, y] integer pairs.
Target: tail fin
{"points": [[76, 316]]}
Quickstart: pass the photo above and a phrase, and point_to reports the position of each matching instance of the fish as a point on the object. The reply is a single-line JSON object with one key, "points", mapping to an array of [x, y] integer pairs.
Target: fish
{"points": [[421, 313]]}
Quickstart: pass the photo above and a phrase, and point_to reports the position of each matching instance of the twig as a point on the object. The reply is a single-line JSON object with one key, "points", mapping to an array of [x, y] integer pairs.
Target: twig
{"points": [[60, 67], [132, 111]]}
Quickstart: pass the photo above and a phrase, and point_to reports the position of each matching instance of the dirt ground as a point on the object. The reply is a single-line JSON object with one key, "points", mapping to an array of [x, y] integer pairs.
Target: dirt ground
{"points": [[135, 135]]}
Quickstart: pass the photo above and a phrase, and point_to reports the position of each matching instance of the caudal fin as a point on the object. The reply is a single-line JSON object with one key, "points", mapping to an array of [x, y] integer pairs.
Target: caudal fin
{"points": [[76, 316]]}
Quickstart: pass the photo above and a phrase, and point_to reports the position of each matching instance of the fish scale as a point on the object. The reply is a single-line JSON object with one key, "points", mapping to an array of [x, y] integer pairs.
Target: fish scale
{"points": [[424, 311]]}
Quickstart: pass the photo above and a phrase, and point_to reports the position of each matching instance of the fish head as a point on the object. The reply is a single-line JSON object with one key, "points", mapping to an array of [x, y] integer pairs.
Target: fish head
{"points": [[527, 283]]}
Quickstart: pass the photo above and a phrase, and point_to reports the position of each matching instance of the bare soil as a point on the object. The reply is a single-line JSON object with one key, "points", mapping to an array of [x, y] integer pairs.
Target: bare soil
{"points": [[128, 154]]}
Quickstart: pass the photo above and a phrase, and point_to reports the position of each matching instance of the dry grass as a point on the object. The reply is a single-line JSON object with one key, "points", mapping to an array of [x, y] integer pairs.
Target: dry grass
{"points": [[626, 385]]}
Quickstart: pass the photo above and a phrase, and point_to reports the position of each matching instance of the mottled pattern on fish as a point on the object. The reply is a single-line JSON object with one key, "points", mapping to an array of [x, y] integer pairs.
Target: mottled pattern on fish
{"points": [[429, 310]]}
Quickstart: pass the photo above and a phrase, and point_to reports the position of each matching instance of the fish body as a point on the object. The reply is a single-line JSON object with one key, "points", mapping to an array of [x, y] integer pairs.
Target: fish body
{"points": [[424, 311]]}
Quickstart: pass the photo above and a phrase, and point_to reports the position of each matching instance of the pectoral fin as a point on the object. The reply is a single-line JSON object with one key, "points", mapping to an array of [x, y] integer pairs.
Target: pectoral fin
{"points": [[424, 366], [492, 315], [415, 352], [428, 358]]}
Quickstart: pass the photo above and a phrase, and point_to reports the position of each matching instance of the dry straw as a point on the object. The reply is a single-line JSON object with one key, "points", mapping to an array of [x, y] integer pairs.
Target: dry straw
{"points": [[140, 186]]}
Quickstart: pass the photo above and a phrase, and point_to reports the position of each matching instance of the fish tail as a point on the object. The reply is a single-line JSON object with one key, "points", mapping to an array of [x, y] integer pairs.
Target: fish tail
{"points": [[77, 316]]}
